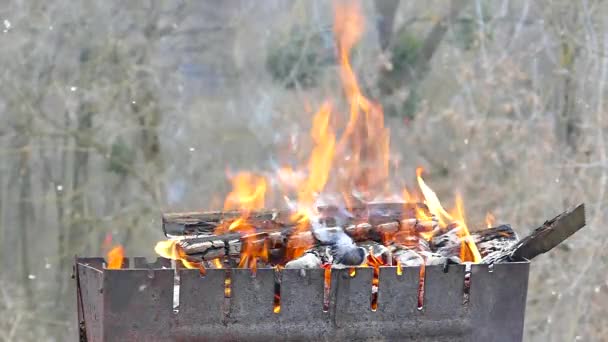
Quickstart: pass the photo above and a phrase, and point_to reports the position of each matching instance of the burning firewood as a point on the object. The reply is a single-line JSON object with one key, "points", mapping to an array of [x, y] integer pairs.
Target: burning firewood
{"points": [[205, 223], [408, 241]]}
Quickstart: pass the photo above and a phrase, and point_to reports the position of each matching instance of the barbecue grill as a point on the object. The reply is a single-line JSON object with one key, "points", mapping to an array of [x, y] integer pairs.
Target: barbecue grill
{"points": [[140, 303], [163, 300]]}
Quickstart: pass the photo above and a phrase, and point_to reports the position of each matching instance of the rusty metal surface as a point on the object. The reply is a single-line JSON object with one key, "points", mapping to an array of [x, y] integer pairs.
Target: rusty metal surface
{"points": [[137, 304]]}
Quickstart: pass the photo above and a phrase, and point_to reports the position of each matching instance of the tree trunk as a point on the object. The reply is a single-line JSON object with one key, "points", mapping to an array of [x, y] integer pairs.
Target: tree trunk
{"points": [[26, 216], [78, 228], [63, 258]]}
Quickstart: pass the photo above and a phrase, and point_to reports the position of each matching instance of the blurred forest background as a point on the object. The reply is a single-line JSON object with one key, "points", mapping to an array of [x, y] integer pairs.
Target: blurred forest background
{"points": [[114, 111]]}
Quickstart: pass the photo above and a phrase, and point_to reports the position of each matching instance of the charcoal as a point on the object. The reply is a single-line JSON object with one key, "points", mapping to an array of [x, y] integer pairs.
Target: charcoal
{"points": [[348, 255], [447, 244]]}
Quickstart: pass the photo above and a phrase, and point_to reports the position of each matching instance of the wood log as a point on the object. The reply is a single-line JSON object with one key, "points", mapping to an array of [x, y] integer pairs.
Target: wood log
{"points": [[494, 240], [550, 234], [205, 223], [544, 238]]}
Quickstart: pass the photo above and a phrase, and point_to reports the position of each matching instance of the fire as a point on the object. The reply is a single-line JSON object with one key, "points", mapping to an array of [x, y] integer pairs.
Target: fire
{"points": [[169, 249], [319, 164], [255, 247], [468, 250], [365, 138], [375, 262], [354, 163], [276, 305], [217, 263], [432, 201], [248, 191], [115, 257]]}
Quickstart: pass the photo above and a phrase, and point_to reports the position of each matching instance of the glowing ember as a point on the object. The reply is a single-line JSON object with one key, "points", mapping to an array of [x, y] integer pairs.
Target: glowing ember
{"points": [[375, 262]]}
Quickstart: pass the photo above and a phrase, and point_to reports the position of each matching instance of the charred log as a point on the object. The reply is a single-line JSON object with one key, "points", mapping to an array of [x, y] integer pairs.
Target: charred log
{"points": [[206, 223], [544, 238], [550, 234]]}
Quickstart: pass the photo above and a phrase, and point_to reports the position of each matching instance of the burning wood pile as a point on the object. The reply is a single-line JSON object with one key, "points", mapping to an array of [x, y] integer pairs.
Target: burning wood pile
{"points": [[406, 234], [379, 234]]}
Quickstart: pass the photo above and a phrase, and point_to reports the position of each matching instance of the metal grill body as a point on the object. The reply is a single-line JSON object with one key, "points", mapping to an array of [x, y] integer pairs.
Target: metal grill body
{"points": [[137, 304]]}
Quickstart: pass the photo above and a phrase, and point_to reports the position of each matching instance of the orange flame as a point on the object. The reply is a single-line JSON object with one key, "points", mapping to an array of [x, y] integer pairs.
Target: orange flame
{"points": [[360, 157], [321, 158], [254, 248], [468, 249], [115, 257], [248, 191], [365, 136], [375, 262]]}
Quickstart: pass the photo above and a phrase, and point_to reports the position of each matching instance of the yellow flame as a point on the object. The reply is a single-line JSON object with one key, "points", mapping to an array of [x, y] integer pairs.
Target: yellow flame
{"points": [[248, 193], [319, 164], [432, 201], [468, 249], [169, 249]]}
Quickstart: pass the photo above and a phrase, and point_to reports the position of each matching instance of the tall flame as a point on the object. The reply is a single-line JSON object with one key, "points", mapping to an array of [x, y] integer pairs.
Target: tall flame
{"points": [[359, 157], [364, 144], [319, 164]]}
